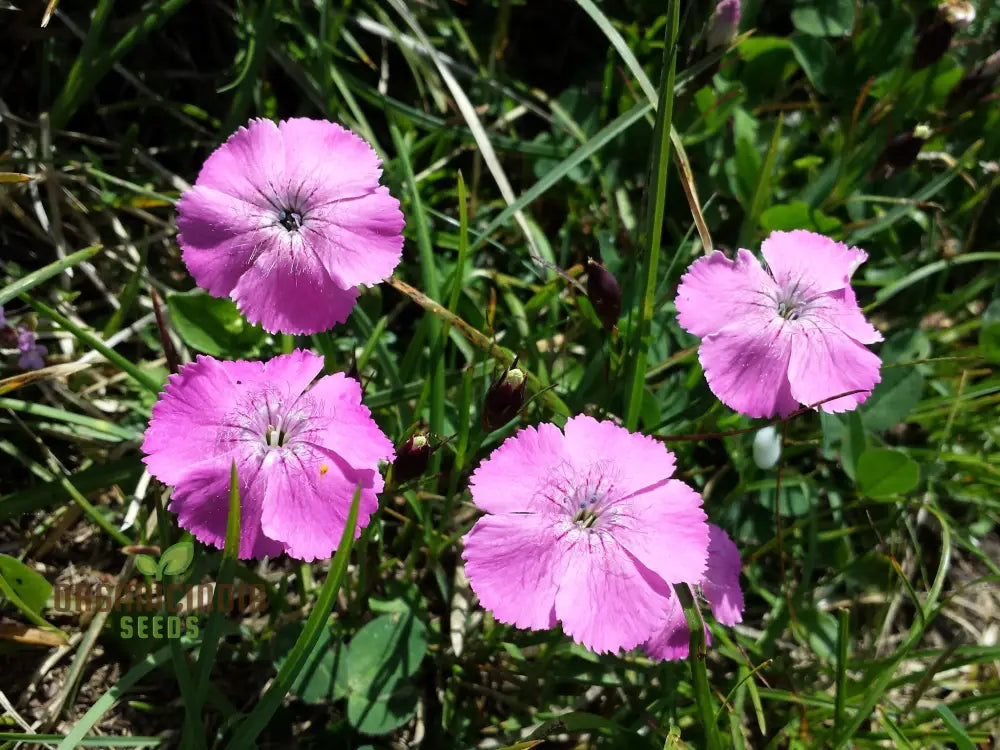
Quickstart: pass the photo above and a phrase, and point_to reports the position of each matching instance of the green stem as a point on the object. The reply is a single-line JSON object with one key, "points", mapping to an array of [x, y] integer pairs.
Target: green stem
{"points": [[699, 675], [655, 203]]}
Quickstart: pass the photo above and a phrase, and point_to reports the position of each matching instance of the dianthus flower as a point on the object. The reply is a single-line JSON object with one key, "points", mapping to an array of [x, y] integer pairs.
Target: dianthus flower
{"points": [[791, 334], [299, 453], [586, 528], [720, 586], [288, 220]]}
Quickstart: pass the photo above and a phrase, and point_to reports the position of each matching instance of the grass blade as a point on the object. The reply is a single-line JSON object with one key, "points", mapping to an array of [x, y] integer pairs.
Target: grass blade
{"points": [[95, 343], [429, 280], [213, 628], [655, 207], [75, 738], [33, 279], [258, 718]]}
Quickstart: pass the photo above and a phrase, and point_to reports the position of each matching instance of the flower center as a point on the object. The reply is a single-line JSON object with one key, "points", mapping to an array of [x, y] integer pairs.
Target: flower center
{"points": [[585, 518], [788, 309], [588, 502], [290, 220], [792, 300], [274, 436]]}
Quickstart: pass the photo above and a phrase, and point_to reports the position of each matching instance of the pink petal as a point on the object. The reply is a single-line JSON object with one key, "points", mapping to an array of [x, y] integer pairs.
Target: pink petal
{"points": [[716, 291], [721, 584], [201, 502], [841, 310], [811, 261], [671, 637], [308, 497], [825, 362], [248, 165], [186, 423], [633, 461], [288, 290], [606, 600], [517, 473], [221, 237], [349, 431], [333, 161], [360, 241], [293, 371], [746, 366], [664, 529], [511, 562]]}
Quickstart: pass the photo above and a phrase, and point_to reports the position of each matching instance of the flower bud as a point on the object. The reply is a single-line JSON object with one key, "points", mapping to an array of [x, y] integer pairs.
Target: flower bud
{"points": [[933, 42], [411, 459], [903, 149], [766, 447], [604, 293], [724, 25], [505, 398], [977, 83]]}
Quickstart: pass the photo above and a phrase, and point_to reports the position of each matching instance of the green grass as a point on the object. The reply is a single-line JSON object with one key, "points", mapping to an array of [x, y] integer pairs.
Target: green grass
{"points": [[522, 138]]}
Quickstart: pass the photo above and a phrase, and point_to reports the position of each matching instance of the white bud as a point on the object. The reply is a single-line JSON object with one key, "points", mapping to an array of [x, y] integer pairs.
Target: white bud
{"points": [[767, 448]]}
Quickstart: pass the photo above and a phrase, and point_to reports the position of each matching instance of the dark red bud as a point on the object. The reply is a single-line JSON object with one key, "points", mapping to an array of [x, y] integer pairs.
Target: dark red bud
{"points": [[604, 293], [902, 150], [504, 399], [933, 42], [411, 459], [977, 83]]}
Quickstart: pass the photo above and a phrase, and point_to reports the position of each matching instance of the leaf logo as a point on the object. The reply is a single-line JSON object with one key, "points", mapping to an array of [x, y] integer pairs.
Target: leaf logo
{"points": [[174, 561]]}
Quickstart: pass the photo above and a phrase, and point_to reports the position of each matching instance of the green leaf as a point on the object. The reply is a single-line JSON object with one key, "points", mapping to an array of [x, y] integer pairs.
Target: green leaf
{"points": [[213, 325], [31, 587], [323, 677], [388, 648], [817, 59], [380, 658], [145, 565], [989, 334], [797, 215], [391, 708], [824, 17], [853, 443], [882, 472], [893, 399], [176, 559]]}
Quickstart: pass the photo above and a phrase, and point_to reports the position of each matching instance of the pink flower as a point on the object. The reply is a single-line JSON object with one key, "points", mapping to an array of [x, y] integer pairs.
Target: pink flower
{"points": [[288, 220], [791, 334], [299, 453], [586, 528], [721, 588]]}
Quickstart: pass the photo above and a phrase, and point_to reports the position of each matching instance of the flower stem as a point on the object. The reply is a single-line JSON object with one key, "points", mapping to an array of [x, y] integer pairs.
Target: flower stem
{"points": [[655, 200], [699, 675]]}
